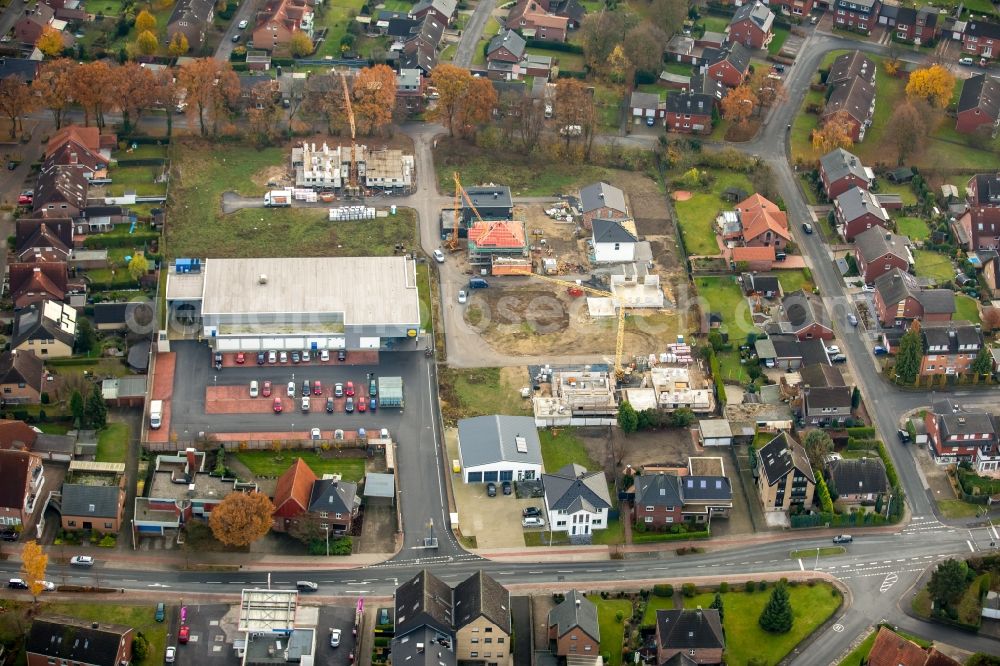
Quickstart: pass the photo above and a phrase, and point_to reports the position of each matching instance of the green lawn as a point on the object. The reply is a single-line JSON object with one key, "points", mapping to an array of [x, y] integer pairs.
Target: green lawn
{"points": [[479, 391], [913, 227], [197, 227], [745, 640], [811, 552], [859, 655], [563, 449], [780, 35], [793, 281], [958, 509], [141, 151], [732, 369], [397, 5], [140, 618], [424, 293], [933, 265], [656, 603], [138, 179], [336, 18], [966, 309], [271, 464], [568, 62], [449, 53], [609, 105], [112, 443], [723, 295], [696, 216], [904, 190], [679, 68], [614, 533], [612, 631], [715, 23]]}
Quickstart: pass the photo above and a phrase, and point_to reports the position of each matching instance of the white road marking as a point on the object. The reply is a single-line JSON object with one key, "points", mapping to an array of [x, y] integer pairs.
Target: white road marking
{"points": [[971, 547], [801, 565]]}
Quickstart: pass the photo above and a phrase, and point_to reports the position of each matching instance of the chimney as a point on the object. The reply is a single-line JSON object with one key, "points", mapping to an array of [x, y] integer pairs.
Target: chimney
{"points": [[73, 159], [192, 462]]}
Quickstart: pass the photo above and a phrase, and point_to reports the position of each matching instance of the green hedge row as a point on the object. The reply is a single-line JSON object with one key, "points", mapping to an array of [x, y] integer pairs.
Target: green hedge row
{"points": [[119, 239], [837, 519], [565, 47], [140, 162], [142, 139], [861, 432], [72, 361], [652, 537], [720, 387], [825, 500], [890, 469], [854, 444]]}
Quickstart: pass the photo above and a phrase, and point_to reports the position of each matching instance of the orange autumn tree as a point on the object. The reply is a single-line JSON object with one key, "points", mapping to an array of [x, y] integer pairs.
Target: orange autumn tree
{"points": [[374, 97], [835, 133]]}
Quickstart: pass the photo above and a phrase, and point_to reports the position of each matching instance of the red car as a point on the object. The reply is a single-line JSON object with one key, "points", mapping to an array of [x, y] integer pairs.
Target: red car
{"points": [[317, 387], [266, 389], [277, 406], [183, 634], [25, 198], [362, 405], [349, 389], [241, 358]]}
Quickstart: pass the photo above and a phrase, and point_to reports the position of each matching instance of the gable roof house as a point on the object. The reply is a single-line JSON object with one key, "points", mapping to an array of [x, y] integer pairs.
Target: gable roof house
{"points": [[949, 348], [729, 64], [441, 10], [573, 626], [21, 376], [191, 18], [23, 68], [856, 15], [36, 282], [689, 112], [804, 316], [33, 21], [46, 329], [17, 435], [83, 146], [910, 24], [23, 478], [982, 217], [482, 606], [536, 20], [956, 433], [499, 448], [420, 49], [645, 107], [292, 495], [857, 210], [891, 649], [686, 636], [601, 200], [60, 191], [878, 251], [335, 502], [97, 505], [981, 38], [840, 171], [826, 400], [786, 478], [855, 97], [978, 105], [849, 66], [763, 223], [614, 240], [857, 480], [59, 639], [278, 20], [506, 46], [41, 240], [576, 501], [491, 238], [752, 25], [899, 299], [665, 499]]}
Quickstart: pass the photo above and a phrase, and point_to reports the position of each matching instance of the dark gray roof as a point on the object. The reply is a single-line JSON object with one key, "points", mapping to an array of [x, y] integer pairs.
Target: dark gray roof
{"points": [[75, 640], [333, 496], [952, 337], [479, 595], [983, 29], [600, 195], [402, 26], [802, 310], [855, 96], [821, 374], [839, 163], [690, 102], [690, 629], [110, 313], [895, 285], [573, 489], [705, 85], [575, 611], [856, 202], [29, 324], [877, 242], [657, 490], [763, 283], [423, 600], [701, 488], [850, 65], [446, 7], [644, 100], [483, 440], [510, 40], [858, 476], [987, 187], [96, 501], [834, 397], [424, 646], [954, 420], [489, 196], [611, 231], [24, 69], [737, 55], [780, 456], [980, 92], [757, 12]]}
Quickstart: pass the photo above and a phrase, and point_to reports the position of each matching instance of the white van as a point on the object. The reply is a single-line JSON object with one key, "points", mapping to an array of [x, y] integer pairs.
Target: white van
{"points": [[155, 414]]}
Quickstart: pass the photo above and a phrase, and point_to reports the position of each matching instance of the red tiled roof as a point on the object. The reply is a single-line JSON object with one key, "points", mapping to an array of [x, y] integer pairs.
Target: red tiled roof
{"points": [[291, 494], [891, 649], [753, 253], [16, 435], [498, 234], [14, 466], [758, 215], [89, 137]]}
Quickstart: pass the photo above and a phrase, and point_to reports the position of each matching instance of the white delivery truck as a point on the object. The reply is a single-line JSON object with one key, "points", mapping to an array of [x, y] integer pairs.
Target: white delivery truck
{"points": [[278, 198], [155, 414]]}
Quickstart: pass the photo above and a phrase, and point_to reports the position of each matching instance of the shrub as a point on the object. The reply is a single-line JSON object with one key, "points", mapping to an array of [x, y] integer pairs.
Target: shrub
{"points": [[619, 616], [689, 590], [750, 586], [762, 585], [664, 590], [723, 587]]}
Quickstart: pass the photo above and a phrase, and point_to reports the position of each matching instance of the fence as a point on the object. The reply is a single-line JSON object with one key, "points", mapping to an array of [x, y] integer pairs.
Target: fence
{"points": [[354, 442]]}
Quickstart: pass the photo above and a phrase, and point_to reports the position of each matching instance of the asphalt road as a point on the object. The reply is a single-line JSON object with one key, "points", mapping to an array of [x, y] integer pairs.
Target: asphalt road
{"points": [[247, 11], [466, 50]]}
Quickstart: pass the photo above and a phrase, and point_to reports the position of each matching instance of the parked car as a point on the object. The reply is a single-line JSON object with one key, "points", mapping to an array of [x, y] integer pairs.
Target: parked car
{"points": [[838, 358], [315, 434], [82, 561], [439, 256], [283, 357], [260, 358], [295, 357], [852, 320], [334, 637], [25, 198], [373, 403], [329, 405], [305, 403], [305, 387], [218, 360], [254, 389], [184, 634], [491, 489], [272, 356], [868, 289], [372, 386], [276, 406], [317, 387], [362, 404], [241, 358], [306, 356], [778, 68], [843, 538], [533, 522], [507, 487], [8, 535], [266, 389], [324, 355], [338, 390], [807, 227], [879, 350], [650, 121], [236, 38], [462, 296], [968, 62], [349, 406], [17, 584], [341, 355], [383, 433], [171, 655], [833, 349], [531, 512], [161, 612], [904, 437], [291, 389], [349, 389]]}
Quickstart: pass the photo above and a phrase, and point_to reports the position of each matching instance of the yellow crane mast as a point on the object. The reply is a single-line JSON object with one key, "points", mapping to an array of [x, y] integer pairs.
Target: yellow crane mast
{"points": [[353, 169], [460, 193]]}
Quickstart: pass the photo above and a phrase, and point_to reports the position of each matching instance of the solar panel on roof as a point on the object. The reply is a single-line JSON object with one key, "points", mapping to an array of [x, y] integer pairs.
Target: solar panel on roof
{"points": [[522, 444]]}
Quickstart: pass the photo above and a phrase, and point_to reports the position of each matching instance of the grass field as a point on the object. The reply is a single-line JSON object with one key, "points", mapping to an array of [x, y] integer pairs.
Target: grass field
{"points": [[859, 655], [793, 281], [723, 295], [614, 533], [904, 190], [933, 265], [568, 62], [745, 640], [913, 227], [336, 18], [271, 464], [612, 631], [715, 23], [138, 179], [780, 35], [562, 449], [966, 309], [199, 229], [112, 443], [655, 603], [958, 509], [140, 618], [480, 391], [696, 216], [424, 292], [679, 68], [811, 552]]}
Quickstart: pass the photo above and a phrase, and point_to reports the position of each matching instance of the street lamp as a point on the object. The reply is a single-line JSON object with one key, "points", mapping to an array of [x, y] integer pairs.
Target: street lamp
{"points": [[326, 528], [816, 566]]}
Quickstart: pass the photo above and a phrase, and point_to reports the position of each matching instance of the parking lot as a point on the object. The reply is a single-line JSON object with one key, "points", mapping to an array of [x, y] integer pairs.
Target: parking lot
{"points": [[213, 629], [335, 617]]}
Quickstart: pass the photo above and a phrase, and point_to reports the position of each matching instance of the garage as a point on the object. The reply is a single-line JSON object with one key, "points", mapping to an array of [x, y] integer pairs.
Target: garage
{"points": [[499, 448]]}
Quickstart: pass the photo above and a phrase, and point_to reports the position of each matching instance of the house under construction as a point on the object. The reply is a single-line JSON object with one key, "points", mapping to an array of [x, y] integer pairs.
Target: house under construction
{"points": [[328, 168], [577, 398]]}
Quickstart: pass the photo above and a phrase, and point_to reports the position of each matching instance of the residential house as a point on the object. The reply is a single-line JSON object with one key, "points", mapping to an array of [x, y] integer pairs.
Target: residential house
{"points": [[857, 480], [715, 432], [23, 68], [506, 46], [278, 21], [576, 501], [857, 210], [36, 282], [499, 448], [419, 50], [899, 299], [96, 505], [57, 639], [763, 223], [878, 251], [601, 200], [689, 112], [805, 317], [573, 627], [706, 85], [83, 146], [23, 478], [910, 24], [508, 60], [857, 15], [17, 435], [767, 286], [496, 238], [752, 25], [493, 202], [826, 399], [535, 20], [33, 21], [785, 476], [663, 499], [729, 64], [949, 348], [794, 7], [982, 219], [335, 503], [258, 91], [571, 9], [60, 191], [856, 98], [891, 649], [787, 352], [689, 636], [753, 258], [43, 240], [978, 105], [21, 378], [191, 18], [613, 240], [840, 171], [981, 38], [292, 495], [46, 329], [849, 66], [410, 91], [646, 108], [956, 434], [443, 11]]}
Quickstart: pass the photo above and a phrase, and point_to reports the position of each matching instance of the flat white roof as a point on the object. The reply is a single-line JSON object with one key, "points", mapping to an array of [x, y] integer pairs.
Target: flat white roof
{"points": [[367, 290], [267, 610]]}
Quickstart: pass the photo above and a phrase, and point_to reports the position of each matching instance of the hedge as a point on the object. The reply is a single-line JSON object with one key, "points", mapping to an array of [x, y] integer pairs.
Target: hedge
{"points": [[825, 500], [837, 519], [720, 387], [119, 239], [663, 590], [861, 433], [142, 139], [652, 537], [861, 444], [568, 74], [890, 469], [565, 47], [140, 162]]}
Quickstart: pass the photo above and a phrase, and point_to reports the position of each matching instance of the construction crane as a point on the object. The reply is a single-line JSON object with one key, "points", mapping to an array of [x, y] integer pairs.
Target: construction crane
{"points": [[460, 192], [620, 371], [352, 176]]}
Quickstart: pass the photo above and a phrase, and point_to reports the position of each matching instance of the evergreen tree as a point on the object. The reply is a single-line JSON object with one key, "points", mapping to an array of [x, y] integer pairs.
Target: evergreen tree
{"points": [[96, 410], [628, 418], [717, 605], [911, 350], [76, 407], [856, 398], [777, 614], [983, 363]]}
